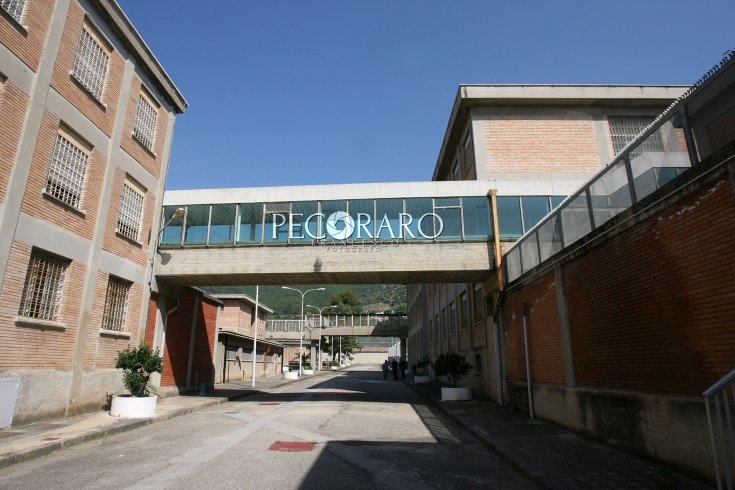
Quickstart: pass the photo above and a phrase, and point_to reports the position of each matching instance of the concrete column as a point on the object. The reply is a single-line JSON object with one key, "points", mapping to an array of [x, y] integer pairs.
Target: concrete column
{"points": [[566, 336], [18, 181]]}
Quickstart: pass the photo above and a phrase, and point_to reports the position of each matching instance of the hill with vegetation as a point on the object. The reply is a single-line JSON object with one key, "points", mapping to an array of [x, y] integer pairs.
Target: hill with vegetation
{"points": [[355, 298]]}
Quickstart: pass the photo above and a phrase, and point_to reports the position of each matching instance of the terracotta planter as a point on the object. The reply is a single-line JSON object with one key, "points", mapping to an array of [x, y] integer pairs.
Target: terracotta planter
{"points": [[133, 406], [420, 378], [456, 394]]}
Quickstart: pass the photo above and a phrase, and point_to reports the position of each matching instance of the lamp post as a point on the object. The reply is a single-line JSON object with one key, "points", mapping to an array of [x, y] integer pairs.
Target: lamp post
{"points": [[301, 330], [319, 345]]}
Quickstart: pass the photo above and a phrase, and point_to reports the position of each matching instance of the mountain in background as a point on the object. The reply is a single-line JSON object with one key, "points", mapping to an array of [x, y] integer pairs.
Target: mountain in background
{"points": [[373, 298]]}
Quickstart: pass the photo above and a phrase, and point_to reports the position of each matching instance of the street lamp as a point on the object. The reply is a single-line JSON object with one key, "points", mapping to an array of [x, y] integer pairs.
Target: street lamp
{"points": [[319, 345], [301, 330]]}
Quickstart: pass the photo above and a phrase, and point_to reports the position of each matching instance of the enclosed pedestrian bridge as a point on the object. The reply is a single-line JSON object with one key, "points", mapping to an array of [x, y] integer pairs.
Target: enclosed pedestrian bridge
{"points": [[353, 233]]}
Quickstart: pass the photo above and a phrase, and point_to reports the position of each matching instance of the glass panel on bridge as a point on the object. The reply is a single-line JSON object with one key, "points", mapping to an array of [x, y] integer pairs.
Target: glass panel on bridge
{"points": [[335, 229], [509, 217], [304, 222], [276, 223], [450, 212], [534, 210], [171, 234], [197, 223], [421, 229], [363, 212], [222, 229], [388, 219], [250, 225], [477, 218]]}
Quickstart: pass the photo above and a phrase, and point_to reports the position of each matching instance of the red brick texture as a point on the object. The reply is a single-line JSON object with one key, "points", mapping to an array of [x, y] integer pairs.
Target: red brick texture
{"points": [[27, 44], [178, 334], [652, 309], [544, 333]]}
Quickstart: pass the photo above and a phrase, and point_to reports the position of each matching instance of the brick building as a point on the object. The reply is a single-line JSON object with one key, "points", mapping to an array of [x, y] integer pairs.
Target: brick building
{"points": [[534, 144], [86, 124]]}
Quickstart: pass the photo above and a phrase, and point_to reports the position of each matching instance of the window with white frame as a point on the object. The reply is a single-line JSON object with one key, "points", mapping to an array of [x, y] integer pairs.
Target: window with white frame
{"points": [[145, 121], [91, 62], [624, 129], [43, 287], [116, 304], [68, 170], [14, 8], [131, 211]]}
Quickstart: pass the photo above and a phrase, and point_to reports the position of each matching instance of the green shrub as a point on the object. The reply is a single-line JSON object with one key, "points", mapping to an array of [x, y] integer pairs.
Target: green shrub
{"points": [[419, 367], [453, 366], [138, 364]]}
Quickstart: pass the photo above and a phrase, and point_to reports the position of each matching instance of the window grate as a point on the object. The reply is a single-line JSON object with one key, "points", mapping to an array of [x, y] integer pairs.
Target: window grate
{"points": [[131, 211], [90, 65], [145, 123], [43, 287], [67, 172], [623, 130], [15, 8], [116, 304]]}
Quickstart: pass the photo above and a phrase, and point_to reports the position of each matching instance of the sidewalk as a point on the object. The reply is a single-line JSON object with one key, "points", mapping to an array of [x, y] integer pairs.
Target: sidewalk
{"points": [[551, 456], [22, 443]]}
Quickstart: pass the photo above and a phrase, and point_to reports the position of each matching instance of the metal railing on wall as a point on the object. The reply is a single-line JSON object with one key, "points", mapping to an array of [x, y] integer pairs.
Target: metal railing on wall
{"points": [[719, 401]]}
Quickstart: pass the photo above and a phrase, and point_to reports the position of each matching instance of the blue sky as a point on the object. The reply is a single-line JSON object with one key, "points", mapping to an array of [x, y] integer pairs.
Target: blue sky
{"points": [[297, 92]]}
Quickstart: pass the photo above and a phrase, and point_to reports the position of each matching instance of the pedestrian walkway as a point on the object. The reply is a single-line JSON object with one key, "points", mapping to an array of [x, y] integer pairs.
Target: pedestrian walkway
{"points": [[22, 443], [551, 456]]}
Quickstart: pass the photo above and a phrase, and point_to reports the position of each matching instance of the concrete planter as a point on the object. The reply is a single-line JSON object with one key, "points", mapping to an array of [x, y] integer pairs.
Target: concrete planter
{"points": [[333, 368], [133, 406], [308, 371], [291, 375], [421, 378], [456, 394]]}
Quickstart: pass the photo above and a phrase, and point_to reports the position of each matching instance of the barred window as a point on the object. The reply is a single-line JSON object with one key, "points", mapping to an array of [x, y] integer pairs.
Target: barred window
{"points": [[43, 287], [15, 8], [465, 312], [131, 211], [624, 129], [67, 171], [145, 122], [90, 64], [116, 304]]}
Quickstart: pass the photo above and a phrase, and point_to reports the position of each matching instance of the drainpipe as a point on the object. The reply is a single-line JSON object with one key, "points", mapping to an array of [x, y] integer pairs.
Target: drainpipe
{"points": [[498, 295], [528, 361]]}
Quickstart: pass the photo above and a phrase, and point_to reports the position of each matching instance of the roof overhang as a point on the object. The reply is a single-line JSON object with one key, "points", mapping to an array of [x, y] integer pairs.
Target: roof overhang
{"points": [[235, 333]]}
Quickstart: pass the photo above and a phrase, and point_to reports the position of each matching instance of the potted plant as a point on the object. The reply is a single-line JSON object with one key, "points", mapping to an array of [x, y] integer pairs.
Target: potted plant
{"points": [[333, 365], [454, 367], [307, 369], [420, 370], [137, 364]]}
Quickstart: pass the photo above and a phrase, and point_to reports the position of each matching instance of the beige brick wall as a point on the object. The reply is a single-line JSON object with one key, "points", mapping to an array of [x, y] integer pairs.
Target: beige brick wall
{"points": [[27, 44], [33, 348], [102, 350], [151, 161], [540, 143], [103, 117], [36, 205], [13, 107], [117, 244]]}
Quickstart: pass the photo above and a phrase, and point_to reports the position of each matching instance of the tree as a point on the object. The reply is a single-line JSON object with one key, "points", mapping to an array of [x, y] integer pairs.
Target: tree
{"points": [[346, 303], [331, 344]]}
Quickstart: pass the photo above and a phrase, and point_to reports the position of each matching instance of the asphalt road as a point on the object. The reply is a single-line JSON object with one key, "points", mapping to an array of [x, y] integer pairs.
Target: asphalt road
{"points": [[348, 429]]}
